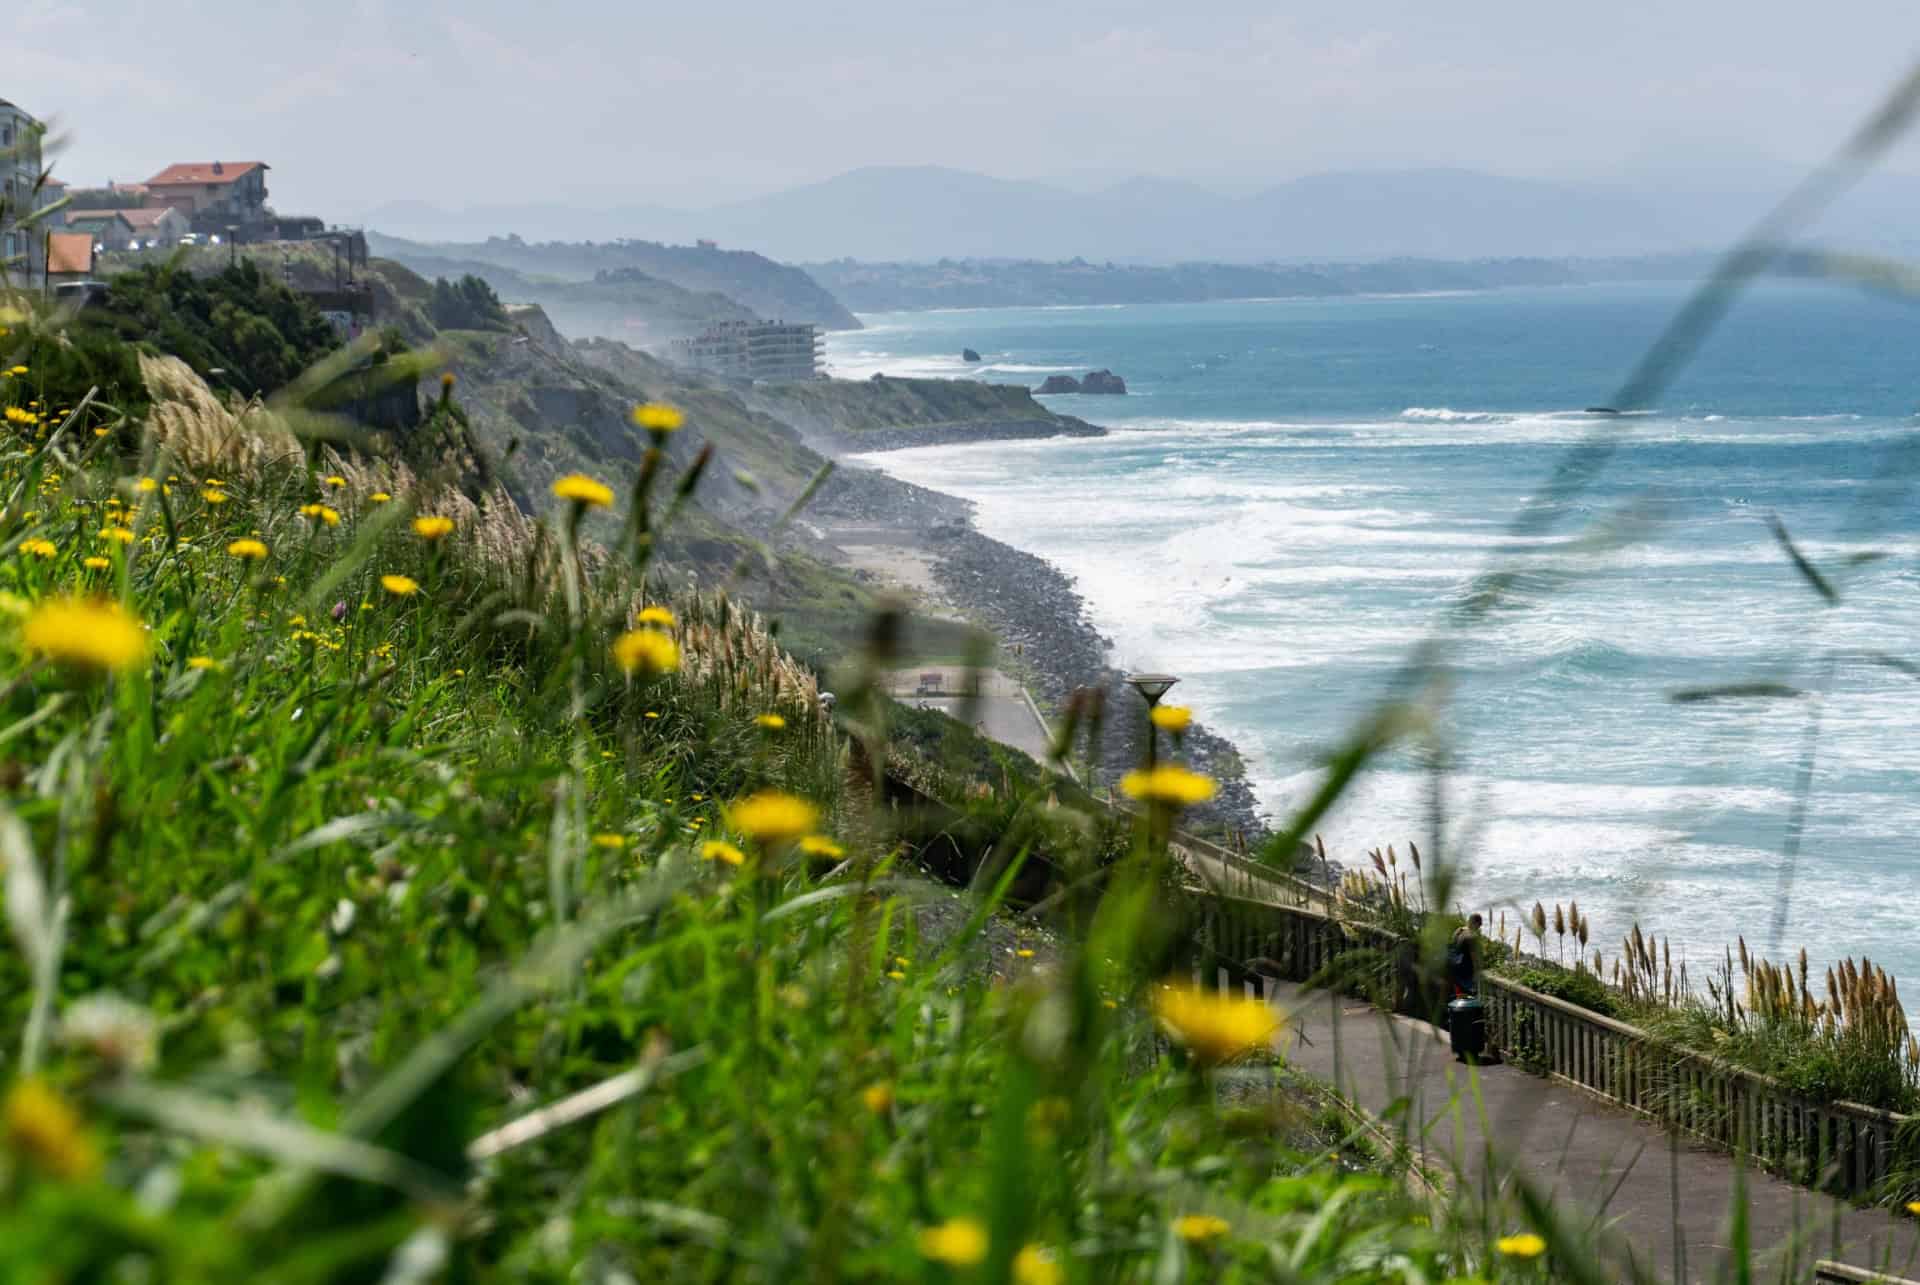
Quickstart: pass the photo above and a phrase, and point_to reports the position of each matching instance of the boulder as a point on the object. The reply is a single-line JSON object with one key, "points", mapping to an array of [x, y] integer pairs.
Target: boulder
{"points": [[1103, 381], [968, 354], [1059, 384]]}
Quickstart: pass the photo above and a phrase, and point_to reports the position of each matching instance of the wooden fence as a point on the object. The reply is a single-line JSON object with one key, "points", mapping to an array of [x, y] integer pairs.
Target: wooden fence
{"points": [[1841, 1146]]}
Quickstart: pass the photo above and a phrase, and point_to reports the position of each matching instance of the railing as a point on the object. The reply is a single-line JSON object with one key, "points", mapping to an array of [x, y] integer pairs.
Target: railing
{"points": [[1237, 942], [1827, 1272], [1842, 1146], [1240, 876]]}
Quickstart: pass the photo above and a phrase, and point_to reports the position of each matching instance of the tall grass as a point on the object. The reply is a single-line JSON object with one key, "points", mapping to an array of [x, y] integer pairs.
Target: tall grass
{"points": [[371, 923]]}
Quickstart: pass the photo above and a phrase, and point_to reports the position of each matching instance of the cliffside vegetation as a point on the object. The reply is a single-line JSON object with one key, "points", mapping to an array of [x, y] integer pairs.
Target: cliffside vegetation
{"points": [[398, 889], [255, 330]]}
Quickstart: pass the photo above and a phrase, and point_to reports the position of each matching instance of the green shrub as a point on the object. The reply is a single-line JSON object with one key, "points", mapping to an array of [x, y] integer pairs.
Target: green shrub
{"points": [[259, 333], [1575, 987], [466, 304]]}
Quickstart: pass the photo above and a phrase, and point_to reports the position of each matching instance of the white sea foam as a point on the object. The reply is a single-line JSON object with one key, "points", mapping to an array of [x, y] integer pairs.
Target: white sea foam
{"points": [[1447, 415]]}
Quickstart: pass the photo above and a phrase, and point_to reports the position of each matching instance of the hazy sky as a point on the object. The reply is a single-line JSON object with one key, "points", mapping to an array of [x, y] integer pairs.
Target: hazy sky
{"points": [[482, 101]]}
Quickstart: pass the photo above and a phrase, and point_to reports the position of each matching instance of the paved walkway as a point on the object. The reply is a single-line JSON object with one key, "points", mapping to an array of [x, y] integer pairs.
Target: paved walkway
{"points": [[1000, 712], [1666, 1202]]}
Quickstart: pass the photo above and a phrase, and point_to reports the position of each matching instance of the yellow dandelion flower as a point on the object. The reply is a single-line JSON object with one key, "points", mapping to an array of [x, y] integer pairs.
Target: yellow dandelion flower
{"points": [[609, 840], [335, 480], [380, 497], [248, 548], [120, 534], [645, 651], [1913, 1207], [658, 418], [773, 817], [1200, 1229], [958, 1242], [39, 548], [96, 563], [432, 528], [1168, 784], [400, 586], [1023, 953], [214, 482], [772, 722], [24, 418], [896, 975], [18, 370], [658, 616], [1524, 1245], [819, 845], [719, 850], [1034, 1265], [583, 490], [1171, 718], [1214, 1026], [41, 1126], [878, 1098], [85, 633], [202, 662], [653, 713], [146, 486], [212, 496]]}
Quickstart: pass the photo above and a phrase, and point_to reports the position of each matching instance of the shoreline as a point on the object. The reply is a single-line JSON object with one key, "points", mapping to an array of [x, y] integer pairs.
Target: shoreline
{"points": [[923, 544]]}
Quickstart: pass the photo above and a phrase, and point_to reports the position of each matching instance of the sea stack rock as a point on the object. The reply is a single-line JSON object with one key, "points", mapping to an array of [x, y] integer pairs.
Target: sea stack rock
{"points": [[968, 354], [1059, 384], [1103, 381]]}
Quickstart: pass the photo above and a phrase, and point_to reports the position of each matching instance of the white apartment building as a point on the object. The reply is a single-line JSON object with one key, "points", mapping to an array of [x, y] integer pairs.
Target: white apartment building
{"points": [[21, 248]]}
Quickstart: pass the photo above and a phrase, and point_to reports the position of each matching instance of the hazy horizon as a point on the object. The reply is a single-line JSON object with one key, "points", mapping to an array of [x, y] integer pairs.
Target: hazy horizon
{"points": [[600, 105]]}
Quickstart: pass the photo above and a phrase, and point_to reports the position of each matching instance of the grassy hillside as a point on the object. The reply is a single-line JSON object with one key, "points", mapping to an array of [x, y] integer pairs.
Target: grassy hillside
{"points": [[398, 890]]}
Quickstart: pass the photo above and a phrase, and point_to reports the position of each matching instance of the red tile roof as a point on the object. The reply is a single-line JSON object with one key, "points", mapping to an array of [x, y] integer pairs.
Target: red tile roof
{"points": [[69, 252], [203, 172]]}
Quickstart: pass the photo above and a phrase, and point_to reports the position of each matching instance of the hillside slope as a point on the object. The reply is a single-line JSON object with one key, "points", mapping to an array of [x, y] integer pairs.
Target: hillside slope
{"points": [[753, 281]]}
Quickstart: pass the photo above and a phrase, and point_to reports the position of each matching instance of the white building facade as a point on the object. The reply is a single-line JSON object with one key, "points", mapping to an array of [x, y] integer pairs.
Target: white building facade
{"points": [[22, 247]]}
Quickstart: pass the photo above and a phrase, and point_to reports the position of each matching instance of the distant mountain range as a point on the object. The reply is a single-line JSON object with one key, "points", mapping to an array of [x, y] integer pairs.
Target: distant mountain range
{"points": [[919, 213]]}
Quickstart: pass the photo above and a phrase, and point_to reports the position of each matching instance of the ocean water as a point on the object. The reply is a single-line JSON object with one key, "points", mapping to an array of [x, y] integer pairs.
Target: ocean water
{"points": [[1296, 492]]}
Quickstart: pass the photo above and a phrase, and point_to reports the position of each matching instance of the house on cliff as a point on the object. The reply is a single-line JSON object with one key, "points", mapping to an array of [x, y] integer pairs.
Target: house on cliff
{"points": [[213, 194]]}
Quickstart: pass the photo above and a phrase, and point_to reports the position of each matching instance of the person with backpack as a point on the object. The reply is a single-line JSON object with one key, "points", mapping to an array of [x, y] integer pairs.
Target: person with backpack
{"points": [[1463, 958]]}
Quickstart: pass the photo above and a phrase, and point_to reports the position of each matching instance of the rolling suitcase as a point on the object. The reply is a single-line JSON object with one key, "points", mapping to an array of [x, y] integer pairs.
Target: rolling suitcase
{"points": [[1467, 1026]]}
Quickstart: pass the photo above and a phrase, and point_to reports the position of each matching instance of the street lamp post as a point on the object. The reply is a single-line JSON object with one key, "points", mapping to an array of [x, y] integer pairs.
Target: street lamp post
{"points": [[1151, 688]]}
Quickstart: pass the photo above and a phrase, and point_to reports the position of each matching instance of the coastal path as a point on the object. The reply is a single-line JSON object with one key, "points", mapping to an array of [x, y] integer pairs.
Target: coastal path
{"points": [[1003, 711], [1662, 1200]]}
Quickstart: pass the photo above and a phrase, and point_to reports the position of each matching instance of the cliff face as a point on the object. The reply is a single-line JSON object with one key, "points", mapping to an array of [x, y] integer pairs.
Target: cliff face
{"points": [[838, 416]]}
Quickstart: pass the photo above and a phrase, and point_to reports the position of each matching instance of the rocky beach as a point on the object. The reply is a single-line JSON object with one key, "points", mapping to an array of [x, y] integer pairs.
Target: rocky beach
{"points": [[923, 543]]}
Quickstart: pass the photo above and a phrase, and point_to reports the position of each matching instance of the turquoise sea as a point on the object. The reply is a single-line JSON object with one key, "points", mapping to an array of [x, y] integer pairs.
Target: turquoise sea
{"points": [[1295, 492]]}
